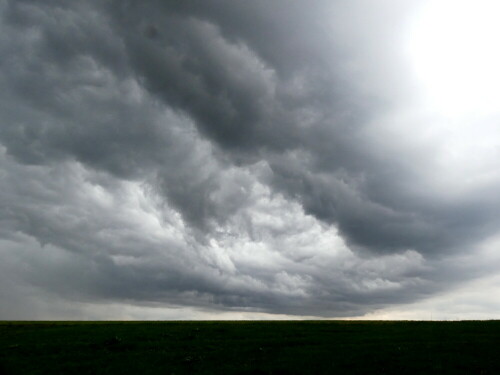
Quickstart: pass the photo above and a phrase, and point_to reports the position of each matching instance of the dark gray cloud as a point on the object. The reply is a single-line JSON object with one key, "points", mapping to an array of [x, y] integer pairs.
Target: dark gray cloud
{"points": [[224, 155]]}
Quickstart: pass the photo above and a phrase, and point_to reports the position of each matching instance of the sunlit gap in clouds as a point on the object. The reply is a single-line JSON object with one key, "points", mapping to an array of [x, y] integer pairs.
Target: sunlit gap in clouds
{"points": [[452, 49]]}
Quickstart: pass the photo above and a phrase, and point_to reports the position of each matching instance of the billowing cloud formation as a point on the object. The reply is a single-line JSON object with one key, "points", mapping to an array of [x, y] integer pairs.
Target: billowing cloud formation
{"points": [[226, 156]]}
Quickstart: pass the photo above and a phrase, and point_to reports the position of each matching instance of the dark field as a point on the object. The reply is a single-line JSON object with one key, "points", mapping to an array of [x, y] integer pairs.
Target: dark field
{"points": [[314, 347]]}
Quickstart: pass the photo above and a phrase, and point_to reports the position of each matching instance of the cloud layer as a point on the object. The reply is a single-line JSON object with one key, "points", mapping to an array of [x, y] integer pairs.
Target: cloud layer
{"points": [[226, 156]]}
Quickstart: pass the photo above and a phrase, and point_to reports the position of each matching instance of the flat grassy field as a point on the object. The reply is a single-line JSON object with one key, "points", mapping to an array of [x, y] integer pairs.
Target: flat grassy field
{"points": [[289, 347]]}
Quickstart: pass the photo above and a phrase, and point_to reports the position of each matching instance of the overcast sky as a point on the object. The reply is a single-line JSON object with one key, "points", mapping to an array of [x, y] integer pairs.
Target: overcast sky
{"points": [[245, 159]]}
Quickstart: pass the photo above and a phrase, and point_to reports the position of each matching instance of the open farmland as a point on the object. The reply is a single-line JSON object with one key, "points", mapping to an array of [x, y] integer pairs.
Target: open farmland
{"points": [[289, 347]]}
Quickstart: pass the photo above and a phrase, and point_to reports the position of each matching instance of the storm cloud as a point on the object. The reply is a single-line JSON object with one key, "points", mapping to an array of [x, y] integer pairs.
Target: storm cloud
{"points": [[226, 156]]}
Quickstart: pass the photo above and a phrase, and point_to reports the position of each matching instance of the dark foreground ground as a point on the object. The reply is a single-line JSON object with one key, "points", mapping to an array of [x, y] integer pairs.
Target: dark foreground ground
{"points": [[314, 347]]}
